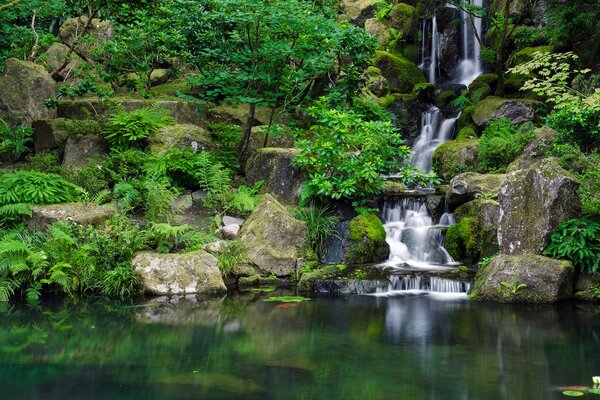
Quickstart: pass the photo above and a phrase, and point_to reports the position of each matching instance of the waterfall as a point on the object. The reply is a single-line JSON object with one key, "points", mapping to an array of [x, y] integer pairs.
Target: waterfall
{"points": [[434, 132], [433, 60], [470, 65], [426, 283], [415, 242]]}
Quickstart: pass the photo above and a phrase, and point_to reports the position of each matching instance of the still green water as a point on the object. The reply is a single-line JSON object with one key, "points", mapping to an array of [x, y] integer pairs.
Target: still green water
{"points": [[239, 347]]}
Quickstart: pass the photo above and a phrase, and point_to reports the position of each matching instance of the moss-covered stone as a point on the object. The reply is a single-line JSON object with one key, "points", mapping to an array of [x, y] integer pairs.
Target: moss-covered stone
{"points": [[342, 279], [180, 136], [587, 287], [546, 280], [404, 19], [410, 52], [391, 188], [79, 213], [445, 98], [359, 10], [171, 89], [401, 74], [468, 132], [366, 240], [517, 110], [513, 84], [488, 79], [470, 185], [455, 157], [526, 54]]}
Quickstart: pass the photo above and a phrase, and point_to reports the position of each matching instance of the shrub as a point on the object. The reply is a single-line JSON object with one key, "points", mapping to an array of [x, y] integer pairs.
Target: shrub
{"points": [[132, 129], [500, 143], [13, 141], [233, 254], [589, 190], [36, 188], [577, 240], [320, 225]]}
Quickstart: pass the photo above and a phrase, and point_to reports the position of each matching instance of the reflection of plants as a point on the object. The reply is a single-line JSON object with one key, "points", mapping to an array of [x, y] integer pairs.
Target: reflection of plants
{"points": [[513, 287]]}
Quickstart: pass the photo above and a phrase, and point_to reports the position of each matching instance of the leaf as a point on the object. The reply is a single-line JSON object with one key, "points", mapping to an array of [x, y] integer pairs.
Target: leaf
{"points": [[573, 393], [288, 299]]}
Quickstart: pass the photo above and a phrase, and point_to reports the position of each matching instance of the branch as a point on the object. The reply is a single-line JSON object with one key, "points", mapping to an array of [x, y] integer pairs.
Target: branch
{"points": [[34, 49], [9, 5]]}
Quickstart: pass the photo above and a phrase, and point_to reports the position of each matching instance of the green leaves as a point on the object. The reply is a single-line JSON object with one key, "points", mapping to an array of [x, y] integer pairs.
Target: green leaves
{"points": [[577, 240], [130, 129], [13, 141]]}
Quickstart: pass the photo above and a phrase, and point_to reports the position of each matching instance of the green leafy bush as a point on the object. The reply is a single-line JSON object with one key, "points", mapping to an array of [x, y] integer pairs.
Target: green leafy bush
{"points": [[577, 240], [589, 190], [132, 129], [500, 143], [345, 156], [36, 188], [13, 141]]}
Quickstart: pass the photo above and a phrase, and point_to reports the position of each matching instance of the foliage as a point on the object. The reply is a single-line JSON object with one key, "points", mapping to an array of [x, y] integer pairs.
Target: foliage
{"points": [[13, 141], [500, 143], [43, 161], [320, 225], [589, 190], [166, 238], [227, 137], [346, 156], [572, 22], [513, 287], [577, 240], [131, 129], [36, 188], [383, 10], [287, 299], [231, 255]]}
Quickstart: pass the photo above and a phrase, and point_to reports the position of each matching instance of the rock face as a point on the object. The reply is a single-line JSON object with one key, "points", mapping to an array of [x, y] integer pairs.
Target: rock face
{"points": [[260, 136], [237, 115], [454, 157], [79, 149], [273, 166], [23, 90], [535, 150], [181, 136], [466, 187], [80, 213], [359, 10], [547, 280], [475, 235], [56, 55], [517, 110], [273, 239], [401, 74], [50, 135], [366, 242], [167, 274], [533, 202], [99, 30]]}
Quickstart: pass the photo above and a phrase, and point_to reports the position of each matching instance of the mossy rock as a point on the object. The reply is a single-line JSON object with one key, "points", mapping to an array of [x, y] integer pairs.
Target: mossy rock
{"points": [[401, 74], [455, 157], [410, 52], [366, 240], [514, 83], [444, 98], [469, 186], [586, 287], [479, 91], [342, 279], [468, 132], [488, 79], [404, 19], [171, 89], [465, 119], [180, 136], [545, 280], [526, 54], [517, 110]]}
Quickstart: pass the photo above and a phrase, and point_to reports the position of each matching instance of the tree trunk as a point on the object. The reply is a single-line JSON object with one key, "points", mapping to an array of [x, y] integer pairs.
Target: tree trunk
{"points": [[243, 145]]}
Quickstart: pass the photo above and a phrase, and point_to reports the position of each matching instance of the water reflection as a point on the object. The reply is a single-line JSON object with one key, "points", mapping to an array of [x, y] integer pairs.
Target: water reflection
{"points": [[361, 347]]}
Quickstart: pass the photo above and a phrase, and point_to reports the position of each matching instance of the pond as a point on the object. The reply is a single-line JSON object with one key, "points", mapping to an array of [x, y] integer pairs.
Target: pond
{"points": [[240, 347]]}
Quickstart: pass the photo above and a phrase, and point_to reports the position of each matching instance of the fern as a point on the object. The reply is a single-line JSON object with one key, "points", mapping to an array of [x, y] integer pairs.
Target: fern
{"points": [[245, 199], [130, 129], [165, 237], [13, 141], [36, 188], [159, 198], [128, 197], [13, 212]]}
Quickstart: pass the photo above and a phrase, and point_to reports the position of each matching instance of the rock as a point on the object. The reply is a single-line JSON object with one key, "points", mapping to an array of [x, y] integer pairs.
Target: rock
{"points": [[227, 220], [536, 149], [379, 30], [376, 83], [366, 240], [50, 135], [261, 135], [341, 279], [407, 111], [56, 55], [469, 185], [517, 110], [273, 239], [187, 273], [359, 10], [533, 202], [79, 149], [491, 80], [199, 196], [184, 112], [79, 213], [401, 74], [215, 247], [182, 203], [475, 235], [228, 232], [99, 30], [273, 166], [516, 8], [180, 136], [23, 89], [455, 156], [449, 39], [159, 76], [237, 115], [404, 19], [526, 54], [547, 280], [587, 287]]}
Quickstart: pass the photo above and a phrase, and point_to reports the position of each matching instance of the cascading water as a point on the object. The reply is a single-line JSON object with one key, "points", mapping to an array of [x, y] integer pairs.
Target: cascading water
{"points": [[434, 132], [470, 64]]}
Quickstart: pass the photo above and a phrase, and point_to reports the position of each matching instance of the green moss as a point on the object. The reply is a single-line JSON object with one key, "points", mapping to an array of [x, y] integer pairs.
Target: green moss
{"points": [[404, 19], [170, 90], [526, 54], [401, 74], [461, 239], [514, 83], [387, 100], [468, 132], [367, 237], [465, 119], [455, 157], [479, 91], [445, 97], [373, 71], [488, 79], [410, 52]]}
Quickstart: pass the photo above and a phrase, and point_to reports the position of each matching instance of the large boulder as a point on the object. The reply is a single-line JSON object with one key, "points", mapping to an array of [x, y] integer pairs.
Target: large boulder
{"points": [[455, 157], [533, 202], [51, 135], [404, 19], [475, 235], [379, 30], [170, 274], [55, 56], [546, 280], [180, 136], [359, 10], [366, 241], [471, 185], [401, 74], [79, 213], [536, 149], [274, 240], [23, 89], [79, 149], [99, 31], [273, 166], [516, 110]]}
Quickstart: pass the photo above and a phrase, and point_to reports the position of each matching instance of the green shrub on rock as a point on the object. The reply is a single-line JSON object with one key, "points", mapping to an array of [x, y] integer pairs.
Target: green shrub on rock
{"points": [[500, 143]]}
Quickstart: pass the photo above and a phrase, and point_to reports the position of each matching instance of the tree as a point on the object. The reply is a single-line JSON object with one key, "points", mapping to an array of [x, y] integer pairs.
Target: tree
{"points": [[274, 52]]}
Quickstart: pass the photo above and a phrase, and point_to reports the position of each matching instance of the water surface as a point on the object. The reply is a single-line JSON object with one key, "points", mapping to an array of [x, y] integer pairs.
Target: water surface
{"points": [[359, 347]]}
